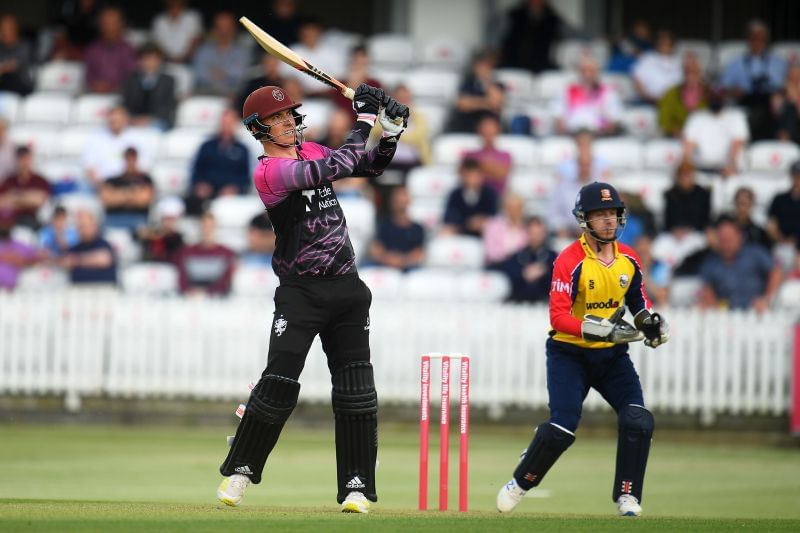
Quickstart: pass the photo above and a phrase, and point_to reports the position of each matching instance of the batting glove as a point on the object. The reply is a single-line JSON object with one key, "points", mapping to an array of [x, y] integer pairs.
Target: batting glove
{"points": [[367, 102]]}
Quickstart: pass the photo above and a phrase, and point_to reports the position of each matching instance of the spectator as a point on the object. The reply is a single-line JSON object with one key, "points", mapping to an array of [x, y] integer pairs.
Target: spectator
{"points": [[588, 103], [177, 31], [92, 260], [626, 50], [786, 106], [687, 204], [76, 28], [585, 163], [714, 139], [743, 202], [505, 233], [533, 29], [104, 154], [400, 241], [8, 152], [110, 59], [530, 269], [471, 204], [127, 197], [220, 64], [655, 274], [260, 242], [206, 267], [14, 256], [752, 77], [656, 71], [414, 147], [495, 163], [572, 177], [282, 22], [149, 93], [15, 58], [784, 222], [679, 101], [60, 235], [25, 192], [221, 166], [640, 219], [339, 125], [162, 243], [331, 60], [479, 95], [357, 73], [738, 275], [268, 75]]}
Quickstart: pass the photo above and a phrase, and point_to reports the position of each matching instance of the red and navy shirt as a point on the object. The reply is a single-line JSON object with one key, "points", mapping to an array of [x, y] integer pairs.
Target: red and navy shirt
{"points": [[584, 285]]}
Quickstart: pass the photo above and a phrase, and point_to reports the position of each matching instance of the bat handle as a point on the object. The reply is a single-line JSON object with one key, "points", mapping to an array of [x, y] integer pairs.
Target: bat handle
{"points": [[348, 93]]}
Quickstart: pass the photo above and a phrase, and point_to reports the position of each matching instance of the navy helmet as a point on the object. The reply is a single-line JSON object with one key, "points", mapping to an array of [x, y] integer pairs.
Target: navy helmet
{"points": [[596, 196]]}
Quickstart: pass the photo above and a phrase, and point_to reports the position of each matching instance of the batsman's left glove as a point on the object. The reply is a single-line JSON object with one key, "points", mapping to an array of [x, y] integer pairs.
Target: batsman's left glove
{"points": [[393, 118]]}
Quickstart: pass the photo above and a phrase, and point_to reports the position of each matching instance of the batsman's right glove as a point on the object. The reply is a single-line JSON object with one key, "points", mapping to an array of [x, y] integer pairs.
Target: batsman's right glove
{"points": [[393, 118], [613, 329], [654, 328]]}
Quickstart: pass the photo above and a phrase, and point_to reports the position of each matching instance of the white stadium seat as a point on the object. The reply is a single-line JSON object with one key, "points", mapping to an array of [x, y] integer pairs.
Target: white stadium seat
{"points": [[569, 52], [61, 170], [435, 116], [50, 109], [150, 279], [9, 106], [72, 141], [727, 51], [449, 149], [171, 178], [535, 187], [443, 52], [482, 286], [788, 49], [524, 150], [127, 250], [317, 112], [383, 282], [649, 185], [39, 138], [136, 37], [390, 49], [619, 152], [78, 201], [519, 84], [184, 78], [202, 112], [764, 186], [553, 83], [360, 216], [92, 109], [60, 76], [427, 211], [622, 83], [182, 143], [388, 75], [255, 282], [701, 49], [433, 85], [25, 235], [236, 211], [432, 181], [42, 278], [663, 154], [774, 156], [789, 294], [684, 291], [641, 121], [542, 119], [454, 252], [554, 150], [430, 284]]}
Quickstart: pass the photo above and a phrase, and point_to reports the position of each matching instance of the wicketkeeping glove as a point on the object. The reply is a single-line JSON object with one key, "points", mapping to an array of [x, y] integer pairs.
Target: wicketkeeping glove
{"points": [[367, 101], [613, 329], [393, 117], [654, 328]]}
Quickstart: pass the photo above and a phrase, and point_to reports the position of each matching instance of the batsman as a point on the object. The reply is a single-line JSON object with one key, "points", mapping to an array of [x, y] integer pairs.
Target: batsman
{"points": [[594, 279], [320, 292]]}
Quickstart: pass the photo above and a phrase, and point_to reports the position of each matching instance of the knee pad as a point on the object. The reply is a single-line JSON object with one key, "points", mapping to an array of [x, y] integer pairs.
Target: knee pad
{"points": [[636, 426], [549, 442], [273, 399], [353, 392]]}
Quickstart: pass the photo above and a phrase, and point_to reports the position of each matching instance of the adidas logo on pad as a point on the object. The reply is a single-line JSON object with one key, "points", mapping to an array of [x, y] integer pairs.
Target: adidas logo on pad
{"points": [[355, 483], [243, 470]]}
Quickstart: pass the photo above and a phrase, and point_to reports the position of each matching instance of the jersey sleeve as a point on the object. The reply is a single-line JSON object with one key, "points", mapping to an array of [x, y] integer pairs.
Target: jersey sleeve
{"points": [[636, 298], [563, 289], [376, 160]]}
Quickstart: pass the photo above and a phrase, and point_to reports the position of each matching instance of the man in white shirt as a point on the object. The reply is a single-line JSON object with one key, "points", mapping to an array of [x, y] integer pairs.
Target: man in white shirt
{"points": [[104, 155], [714, 138], [657, 71], [177, 31], [329, 59]]}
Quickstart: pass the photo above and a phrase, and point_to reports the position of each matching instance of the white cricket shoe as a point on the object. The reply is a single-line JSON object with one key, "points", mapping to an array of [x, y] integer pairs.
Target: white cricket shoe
{"points": [[628, 505], [231, 490], [355, 502], [509, 496]]}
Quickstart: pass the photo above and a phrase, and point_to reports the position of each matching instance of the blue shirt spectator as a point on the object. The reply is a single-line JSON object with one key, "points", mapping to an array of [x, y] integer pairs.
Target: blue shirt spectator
{"points": [[757, 70], [221, 64], [470, 205]]}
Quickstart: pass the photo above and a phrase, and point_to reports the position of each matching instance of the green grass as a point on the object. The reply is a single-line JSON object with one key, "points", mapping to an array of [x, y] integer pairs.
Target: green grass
{"points": [[112, 478]]}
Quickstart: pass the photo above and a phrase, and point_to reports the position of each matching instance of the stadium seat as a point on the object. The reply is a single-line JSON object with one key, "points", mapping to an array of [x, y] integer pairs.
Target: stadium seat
{"points": [[171, 178], [701, 49], [42, 279], [483, 286], [727, 51], [454, 252], [92, 109], [49, 109], [39, 138], [384, 282], [570, 51], [200, 112], [519, 84], [78, 201], [396, 50], [388, 75], [25, 235], [443, 52], [61, 171], [136, 37], [428, 212], [619, 152], [650, 186], [788, 49], [535, 187], [152, 279], [524, 150], [184, 78], [641, 122], [765, 187], [317, 112], [9, 106], [430, 285], [126, 248], [333, 37], [435, 116], [552, 83], [449, 148], [774, 156], [541, 117], [433, 86], [60, 76], [182, 144], [662, 154], [360, 216], [434, 181], [622, 83], [236, 211], [789, 295], [554, 150], [255, 282], [72, 142], [684, 291]]}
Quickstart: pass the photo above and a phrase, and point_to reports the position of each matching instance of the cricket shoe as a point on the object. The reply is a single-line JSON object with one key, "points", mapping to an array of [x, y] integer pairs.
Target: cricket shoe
{"points": [[509, 496], [355, 502], [628, 505], [231, 490]]}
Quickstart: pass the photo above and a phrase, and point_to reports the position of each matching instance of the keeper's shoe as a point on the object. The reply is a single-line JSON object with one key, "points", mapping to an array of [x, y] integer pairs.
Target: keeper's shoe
{"points": [[509, 496], [231, 490], [355, 502], [628, 505]]}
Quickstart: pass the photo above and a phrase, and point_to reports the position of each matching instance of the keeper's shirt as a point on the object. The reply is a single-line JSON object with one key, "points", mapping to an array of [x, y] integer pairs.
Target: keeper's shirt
{"points": [[584, 285]]}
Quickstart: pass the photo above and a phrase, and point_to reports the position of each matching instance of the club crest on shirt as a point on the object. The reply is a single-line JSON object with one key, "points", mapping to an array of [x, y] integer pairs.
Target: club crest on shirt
{"points": [[280, 325], [623, 280]]}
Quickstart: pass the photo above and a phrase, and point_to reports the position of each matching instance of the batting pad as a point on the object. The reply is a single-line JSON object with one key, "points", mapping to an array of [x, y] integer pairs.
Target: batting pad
{"points": [[547, 445], [636, 427]]}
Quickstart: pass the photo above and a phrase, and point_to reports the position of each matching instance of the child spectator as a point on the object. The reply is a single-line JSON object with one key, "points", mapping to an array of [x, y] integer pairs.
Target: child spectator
{"points": [[58, 236]]}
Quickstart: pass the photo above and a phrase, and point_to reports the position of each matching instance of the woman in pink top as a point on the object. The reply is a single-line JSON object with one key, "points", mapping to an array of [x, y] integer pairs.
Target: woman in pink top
{"points": [[505, 233]]}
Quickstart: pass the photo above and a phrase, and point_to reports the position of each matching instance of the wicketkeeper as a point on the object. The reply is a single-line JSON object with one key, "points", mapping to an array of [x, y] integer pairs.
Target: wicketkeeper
{"points": [[593, 280]]}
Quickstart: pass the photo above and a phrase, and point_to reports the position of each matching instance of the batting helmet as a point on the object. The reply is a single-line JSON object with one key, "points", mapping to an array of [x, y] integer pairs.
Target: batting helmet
{"points": [[596, 196], [266, 101]]}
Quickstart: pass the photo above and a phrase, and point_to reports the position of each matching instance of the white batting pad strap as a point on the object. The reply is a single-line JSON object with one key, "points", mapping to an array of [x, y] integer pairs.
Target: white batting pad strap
{"points": [[562, 428]]}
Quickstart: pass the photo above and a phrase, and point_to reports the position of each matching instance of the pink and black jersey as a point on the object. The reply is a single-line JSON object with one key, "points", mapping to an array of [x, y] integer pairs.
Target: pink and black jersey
{"points": [[310, 227]]}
